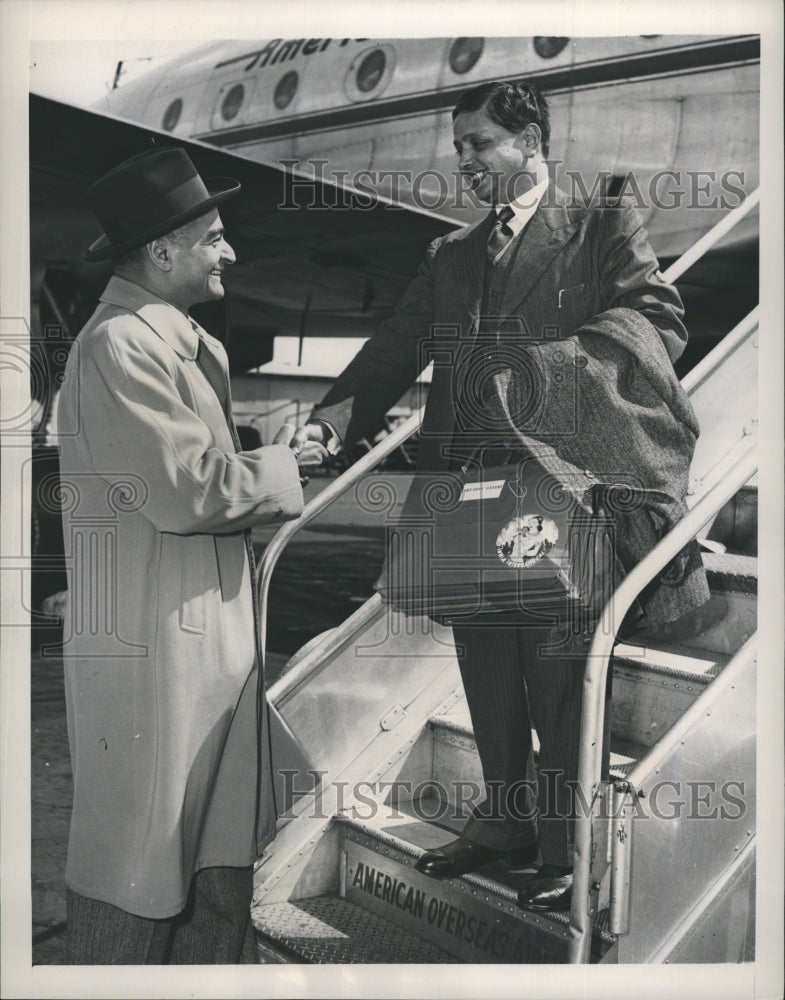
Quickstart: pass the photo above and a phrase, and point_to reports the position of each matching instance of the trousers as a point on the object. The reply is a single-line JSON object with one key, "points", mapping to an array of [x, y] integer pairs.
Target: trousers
{"points": [[517, 678], [214, 928]]}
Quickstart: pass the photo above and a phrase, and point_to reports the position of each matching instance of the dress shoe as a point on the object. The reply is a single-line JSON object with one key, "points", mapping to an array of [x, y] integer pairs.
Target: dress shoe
{"points": [[460, 857], [550, 889]]}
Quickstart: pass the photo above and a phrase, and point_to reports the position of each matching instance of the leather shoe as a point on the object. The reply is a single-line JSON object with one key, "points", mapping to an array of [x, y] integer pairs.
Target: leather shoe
{"points": [[550, 889], [460, 857]]}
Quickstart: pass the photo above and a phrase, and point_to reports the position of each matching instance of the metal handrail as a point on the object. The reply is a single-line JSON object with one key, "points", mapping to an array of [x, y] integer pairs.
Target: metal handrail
{"points": [[330, 643], [597, 661], [674, 736], [708, 365], [710, 239], [331, 493]]}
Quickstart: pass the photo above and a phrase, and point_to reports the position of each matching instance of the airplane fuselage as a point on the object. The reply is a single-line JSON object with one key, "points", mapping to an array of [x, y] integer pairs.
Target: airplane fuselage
{"points": [[671, 121]]}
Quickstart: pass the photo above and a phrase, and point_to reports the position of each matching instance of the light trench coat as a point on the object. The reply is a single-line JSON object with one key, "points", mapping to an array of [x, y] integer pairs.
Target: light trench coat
{"points": [[168, 745]]}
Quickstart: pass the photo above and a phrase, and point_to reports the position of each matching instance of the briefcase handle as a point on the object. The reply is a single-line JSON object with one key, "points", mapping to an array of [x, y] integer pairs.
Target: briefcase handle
{"points": [[613, 498], [501, 457]]}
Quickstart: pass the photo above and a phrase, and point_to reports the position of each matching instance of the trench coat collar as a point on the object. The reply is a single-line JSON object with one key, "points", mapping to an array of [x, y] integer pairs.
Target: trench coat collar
{"points": [[177, 330], [546, 233]]}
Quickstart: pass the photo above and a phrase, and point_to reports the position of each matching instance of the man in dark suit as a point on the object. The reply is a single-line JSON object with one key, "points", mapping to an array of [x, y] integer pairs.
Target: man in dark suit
{"points": [[544, 273]]}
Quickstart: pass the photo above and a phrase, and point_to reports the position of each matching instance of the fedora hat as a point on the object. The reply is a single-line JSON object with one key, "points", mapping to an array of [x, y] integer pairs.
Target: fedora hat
{"points": [[148, 196]]}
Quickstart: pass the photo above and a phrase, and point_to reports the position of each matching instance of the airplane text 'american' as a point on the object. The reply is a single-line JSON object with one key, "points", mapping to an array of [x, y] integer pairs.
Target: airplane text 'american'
{"points": [[279, 49]]}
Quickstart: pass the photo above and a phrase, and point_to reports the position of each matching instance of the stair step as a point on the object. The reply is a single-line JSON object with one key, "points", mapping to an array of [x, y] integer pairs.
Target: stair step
{"points": [[625, 754], [453, 737], [654, 685], [329, 929], [475, 918], [729, 572], [669, 660], [736, 524]]}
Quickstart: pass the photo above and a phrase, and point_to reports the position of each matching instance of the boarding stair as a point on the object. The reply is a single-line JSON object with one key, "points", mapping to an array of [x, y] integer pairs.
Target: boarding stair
{"points": [[384, 766]]}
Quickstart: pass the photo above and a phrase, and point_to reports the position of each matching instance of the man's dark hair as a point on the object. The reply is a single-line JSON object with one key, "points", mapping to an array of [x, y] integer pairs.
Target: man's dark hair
{"points": [[511, 105]]}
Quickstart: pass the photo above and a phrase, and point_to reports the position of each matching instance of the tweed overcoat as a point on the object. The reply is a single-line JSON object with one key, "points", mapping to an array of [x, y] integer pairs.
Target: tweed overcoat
{"points": [[577, 366], [159, 645]]}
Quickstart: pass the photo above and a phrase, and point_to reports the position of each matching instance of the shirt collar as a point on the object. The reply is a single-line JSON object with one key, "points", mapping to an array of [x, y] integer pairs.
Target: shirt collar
{"points": [[525, 205], [161, 316]]}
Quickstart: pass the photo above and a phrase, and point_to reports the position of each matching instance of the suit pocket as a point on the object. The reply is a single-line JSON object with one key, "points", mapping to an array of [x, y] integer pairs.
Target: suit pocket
{"points": [[569, 295]]}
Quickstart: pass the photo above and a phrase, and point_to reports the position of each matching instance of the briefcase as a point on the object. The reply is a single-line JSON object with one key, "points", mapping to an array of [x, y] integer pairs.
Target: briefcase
{"points": [[504, 538]]}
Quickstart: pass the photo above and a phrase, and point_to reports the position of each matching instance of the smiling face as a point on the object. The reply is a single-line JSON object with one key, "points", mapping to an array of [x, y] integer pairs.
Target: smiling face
{"points": [[198, 254], [492, 160]]}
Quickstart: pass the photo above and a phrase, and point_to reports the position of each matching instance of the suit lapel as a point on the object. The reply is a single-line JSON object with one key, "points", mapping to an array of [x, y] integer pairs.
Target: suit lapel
{"points": [[547, 233], [468, 274]]}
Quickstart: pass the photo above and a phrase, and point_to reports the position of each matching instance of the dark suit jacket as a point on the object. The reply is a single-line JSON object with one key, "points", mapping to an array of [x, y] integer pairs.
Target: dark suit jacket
{"points": [[578, 367]]}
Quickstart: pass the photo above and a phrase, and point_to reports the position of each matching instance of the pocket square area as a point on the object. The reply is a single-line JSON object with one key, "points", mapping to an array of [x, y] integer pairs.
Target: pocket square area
{"points": [[568, 293]]}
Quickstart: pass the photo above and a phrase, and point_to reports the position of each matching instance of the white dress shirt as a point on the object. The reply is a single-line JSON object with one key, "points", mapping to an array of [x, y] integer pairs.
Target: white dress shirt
{"points": [[524, 207]]}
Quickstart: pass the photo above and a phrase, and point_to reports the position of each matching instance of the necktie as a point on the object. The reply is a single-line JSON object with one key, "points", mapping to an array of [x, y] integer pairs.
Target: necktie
{"points": [[501, 234]]}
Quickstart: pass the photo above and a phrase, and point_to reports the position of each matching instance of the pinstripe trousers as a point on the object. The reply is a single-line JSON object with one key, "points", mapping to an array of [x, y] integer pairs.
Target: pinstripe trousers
{"points": [[514, 682]]}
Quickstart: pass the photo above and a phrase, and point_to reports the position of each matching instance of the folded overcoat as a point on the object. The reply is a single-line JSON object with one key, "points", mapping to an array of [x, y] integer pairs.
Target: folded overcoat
{"points": [[576, 367]]}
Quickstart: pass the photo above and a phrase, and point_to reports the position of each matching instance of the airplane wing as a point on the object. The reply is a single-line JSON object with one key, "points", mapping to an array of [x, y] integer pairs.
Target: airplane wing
{"points": [[327, 265]]}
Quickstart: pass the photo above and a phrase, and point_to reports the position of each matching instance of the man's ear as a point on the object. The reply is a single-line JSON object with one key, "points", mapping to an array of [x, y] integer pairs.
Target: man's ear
{"points": [[159, 253], [531, 139]]}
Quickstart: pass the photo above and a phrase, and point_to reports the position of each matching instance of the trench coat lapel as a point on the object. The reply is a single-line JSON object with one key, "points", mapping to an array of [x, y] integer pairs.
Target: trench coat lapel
{"points": [[547, 233]]}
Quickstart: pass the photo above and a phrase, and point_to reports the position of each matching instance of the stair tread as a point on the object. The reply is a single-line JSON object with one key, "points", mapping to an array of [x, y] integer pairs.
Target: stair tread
{"points": [[327, 929], [670, 659], [411, 834], [667, 658], [731, 572], [625, 752], [459, 720], [734, 563]]}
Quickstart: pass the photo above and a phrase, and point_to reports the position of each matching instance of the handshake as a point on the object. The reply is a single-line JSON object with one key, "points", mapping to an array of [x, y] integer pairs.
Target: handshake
{"points": [[309, 443]]}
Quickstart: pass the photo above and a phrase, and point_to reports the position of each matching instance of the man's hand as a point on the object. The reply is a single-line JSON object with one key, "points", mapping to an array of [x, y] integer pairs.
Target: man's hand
{"points": [[306, 442]]}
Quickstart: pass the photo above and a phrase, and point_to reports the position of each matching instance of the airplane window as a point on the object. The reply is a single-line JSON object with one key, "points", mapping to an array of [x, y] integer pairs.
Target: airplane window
{"points": [[172, 115], [548, 46], [464, 53], [370, 73], [285, 90], [371, 70], [232, 102]]}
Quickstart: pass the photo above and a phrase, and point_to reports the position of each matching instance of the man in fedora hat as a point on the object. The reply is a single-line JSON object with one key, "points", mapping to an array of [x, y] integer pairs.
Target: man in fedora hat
{"points": [[169, 739]]}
